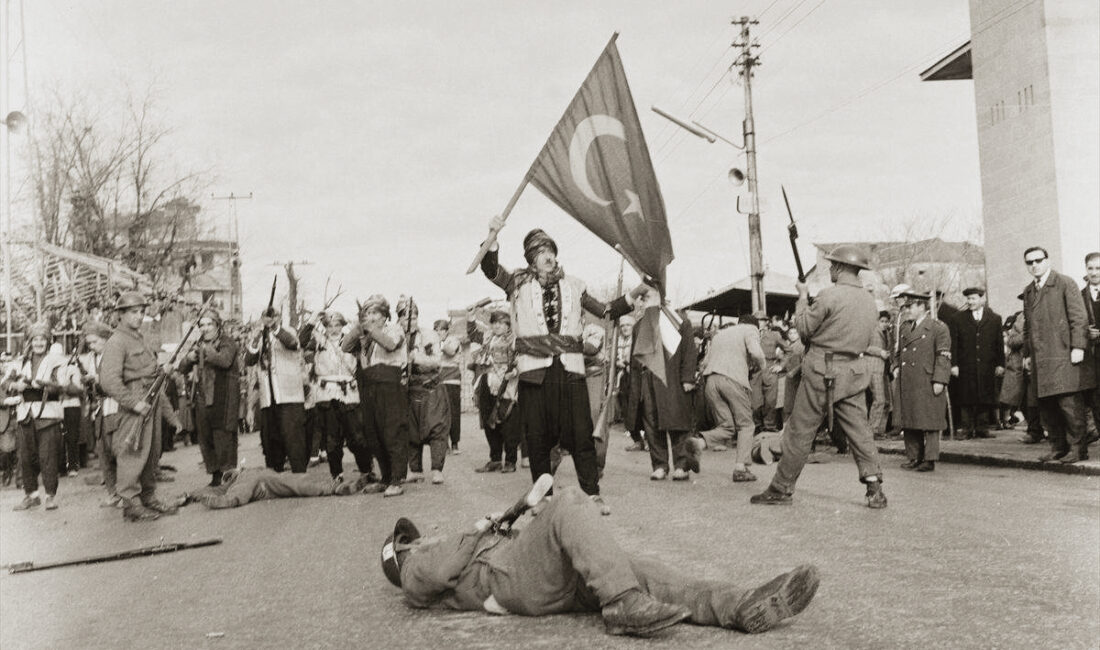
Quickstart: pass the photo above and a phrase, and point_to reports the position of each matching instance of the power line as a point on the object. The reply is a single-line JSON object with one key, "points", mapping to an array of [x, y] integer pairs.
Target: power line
{"points": [[791, 28]]}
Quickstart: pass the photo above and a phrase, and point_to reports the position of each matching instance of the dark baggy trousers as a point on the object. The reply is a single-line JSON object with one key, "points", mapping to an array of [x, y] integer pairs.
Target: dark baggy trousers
{"points": [[339, 424], [556, 412], [385, 409], [39, 450], [284, 437]]}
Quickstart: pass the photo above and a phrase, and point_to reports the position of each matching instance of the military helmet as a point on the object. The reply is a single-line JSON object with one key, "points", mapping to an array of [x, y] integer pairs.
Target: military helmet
{"points": [[130, 299], [394, 551], [850, 255]]}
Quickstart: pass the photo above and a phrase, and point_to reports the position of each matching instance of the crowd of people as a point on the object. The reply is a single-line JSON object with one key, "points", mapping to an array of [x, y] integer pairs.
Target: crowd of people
{"points": [[550, 365]]}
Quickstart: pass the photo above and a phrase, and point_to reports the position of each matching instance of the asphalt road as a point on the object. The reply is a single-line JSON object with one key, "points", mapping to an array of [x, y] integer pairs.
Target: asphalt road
{"points": [[964, 557]]}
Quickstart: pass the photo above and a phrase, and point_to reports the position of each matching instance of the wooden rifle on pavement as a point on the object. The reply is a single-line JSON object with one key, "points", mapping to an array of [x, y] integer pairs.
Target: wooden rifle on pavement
{"points": [[25, 567]]}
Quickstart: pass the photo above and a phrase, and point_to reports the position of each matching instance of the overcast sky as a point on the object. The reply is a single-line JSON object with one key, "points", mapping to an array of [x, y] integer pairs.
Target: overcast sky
{"points": [[378, 138]]}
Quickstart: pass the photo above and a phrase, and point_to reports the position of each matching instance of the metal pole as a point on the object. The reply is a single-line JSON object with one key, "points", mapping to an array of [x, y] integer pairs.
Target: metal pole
{"points": [[756, 257], [5, 178]]}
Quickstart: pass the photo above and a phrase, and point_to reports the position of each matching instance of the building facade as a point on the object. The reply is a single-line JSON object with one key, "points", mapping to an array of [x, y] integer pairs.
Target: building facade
{"points": [[1035, 66]]}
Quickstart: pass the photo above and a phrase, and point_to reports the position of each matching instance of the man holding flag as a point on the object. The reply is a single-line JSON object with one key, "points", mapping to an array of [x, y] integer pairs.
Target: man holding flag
{"points": [[595, 166], [553, 394]]}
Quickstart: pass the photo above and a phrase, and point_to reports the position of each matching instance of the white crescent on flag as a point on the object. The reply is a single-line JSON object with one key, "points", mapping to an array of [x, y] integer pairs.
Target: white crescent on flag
{"points": [[585, 134]]}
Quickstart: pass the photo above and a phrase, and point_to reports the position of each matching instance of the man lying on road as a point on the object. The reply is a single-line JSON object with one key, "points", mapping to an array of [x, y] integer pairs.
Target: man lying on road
{"points": [[240, 487], [566, 560]]}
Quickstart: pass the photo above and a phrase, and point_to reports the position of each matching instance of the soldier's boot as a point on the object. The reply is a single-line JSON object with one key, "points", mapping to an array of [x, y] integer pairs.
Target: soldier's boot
{"points": [[135, 511], [876, 498], [158, 506], [771, 497], [782, 597], [636, 613]]}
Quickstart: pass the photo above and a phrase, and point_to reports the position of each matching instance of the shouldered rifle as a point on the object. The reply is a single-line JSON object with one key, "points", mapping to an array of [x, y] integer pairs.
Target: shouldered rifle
{"points": [[132, 437]]}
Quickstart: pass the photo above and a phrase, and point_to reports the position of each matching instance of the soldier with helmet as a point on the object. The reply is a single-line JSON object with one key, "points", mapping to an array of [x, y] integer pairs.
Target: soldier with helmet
{"points": [[837, 330], [128, 370], [379, 347], [922, 367]]}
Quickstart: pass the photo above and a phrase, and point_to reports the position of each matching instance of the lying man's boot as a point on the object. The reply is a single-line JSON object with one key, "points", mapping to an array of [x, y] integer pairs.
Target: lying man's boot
{"points": [[783, 597], [636, 613]]}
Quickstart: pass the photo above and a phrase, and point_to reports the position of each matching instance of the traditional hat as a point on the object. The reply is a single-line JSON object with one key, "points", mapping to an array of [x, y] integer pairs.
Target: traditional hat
{"points": [[974, 291], [535, 240], [376, 302], [898, 290], [916, 295], [330, 318], [39, 329], [403, 303]]}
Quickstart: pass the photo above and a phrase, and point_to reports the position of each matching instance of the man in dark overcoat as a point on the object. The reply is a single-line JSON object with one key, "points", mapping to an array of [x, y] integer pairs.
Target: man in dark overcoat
{"points": [[661, 405], [922, 367], [978, 358], [1057, 353]]}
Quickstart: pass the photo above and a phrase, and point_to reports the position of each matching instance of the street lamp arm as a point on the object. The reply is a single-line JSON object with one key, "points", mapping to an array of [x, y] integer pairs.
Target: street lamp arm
{"points": [[720, 137]]}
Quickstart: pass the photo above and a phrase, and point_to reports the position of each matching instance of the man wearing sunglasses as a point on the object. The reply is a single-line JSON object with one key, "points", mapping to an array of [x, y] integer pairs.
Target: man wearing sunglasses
{"points": [[1057, 354]]}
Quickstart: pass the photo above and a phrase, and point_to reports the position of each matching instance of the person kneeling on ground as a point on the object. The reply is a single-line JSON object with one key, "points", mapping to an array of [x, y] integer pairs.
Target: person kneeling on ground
{"points": [[566, 560]]}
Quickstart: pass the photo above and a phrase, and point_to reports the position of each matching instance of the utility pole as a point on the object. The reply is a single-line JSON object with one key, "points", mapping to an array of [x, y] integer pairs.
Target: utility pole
{"points": [[292, 289], [746, 61], [236, 300]]}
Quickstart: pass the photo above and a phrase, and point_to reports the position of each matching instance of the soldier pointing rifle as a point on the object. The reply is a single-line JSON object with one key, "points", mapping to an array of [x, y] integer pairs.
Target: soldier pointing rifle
{"points": [[837, 329]]}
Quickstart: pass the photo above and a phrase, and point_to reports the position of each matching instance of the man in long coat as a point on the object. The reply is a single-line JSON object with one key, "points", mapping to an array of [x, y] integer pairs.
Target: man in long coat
{"points": [[1057, 353], [216, 395], [978, 358], [922, 368], [661, 405], [1091, 294]]}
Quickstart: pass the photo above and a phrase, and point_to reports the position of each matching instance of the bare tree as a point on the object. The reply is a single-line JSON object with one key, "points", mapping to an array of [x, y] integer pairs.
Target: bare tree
{"points": [[112, 191]]}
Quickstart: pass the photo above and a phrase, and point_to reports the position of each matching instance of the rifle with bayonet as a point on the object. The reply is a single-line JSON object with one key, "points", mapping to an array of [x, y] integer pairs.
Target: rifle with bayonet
{"points": [[792, 234]]}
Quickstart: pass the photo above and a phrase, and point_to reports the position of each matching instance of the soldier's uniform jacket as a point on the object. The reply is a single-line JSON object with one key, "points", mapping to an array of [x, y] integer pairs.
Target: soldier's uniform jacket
{"points": [[842, 321], [128, 368], [923, 358]]}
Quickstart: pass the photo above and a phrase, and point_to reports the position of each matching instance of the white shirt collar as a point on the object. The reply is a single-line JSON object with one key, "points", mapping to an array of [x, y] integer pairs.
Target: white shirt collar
{"points": [[977, 313], [1042, 280], [1094, 290]]}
